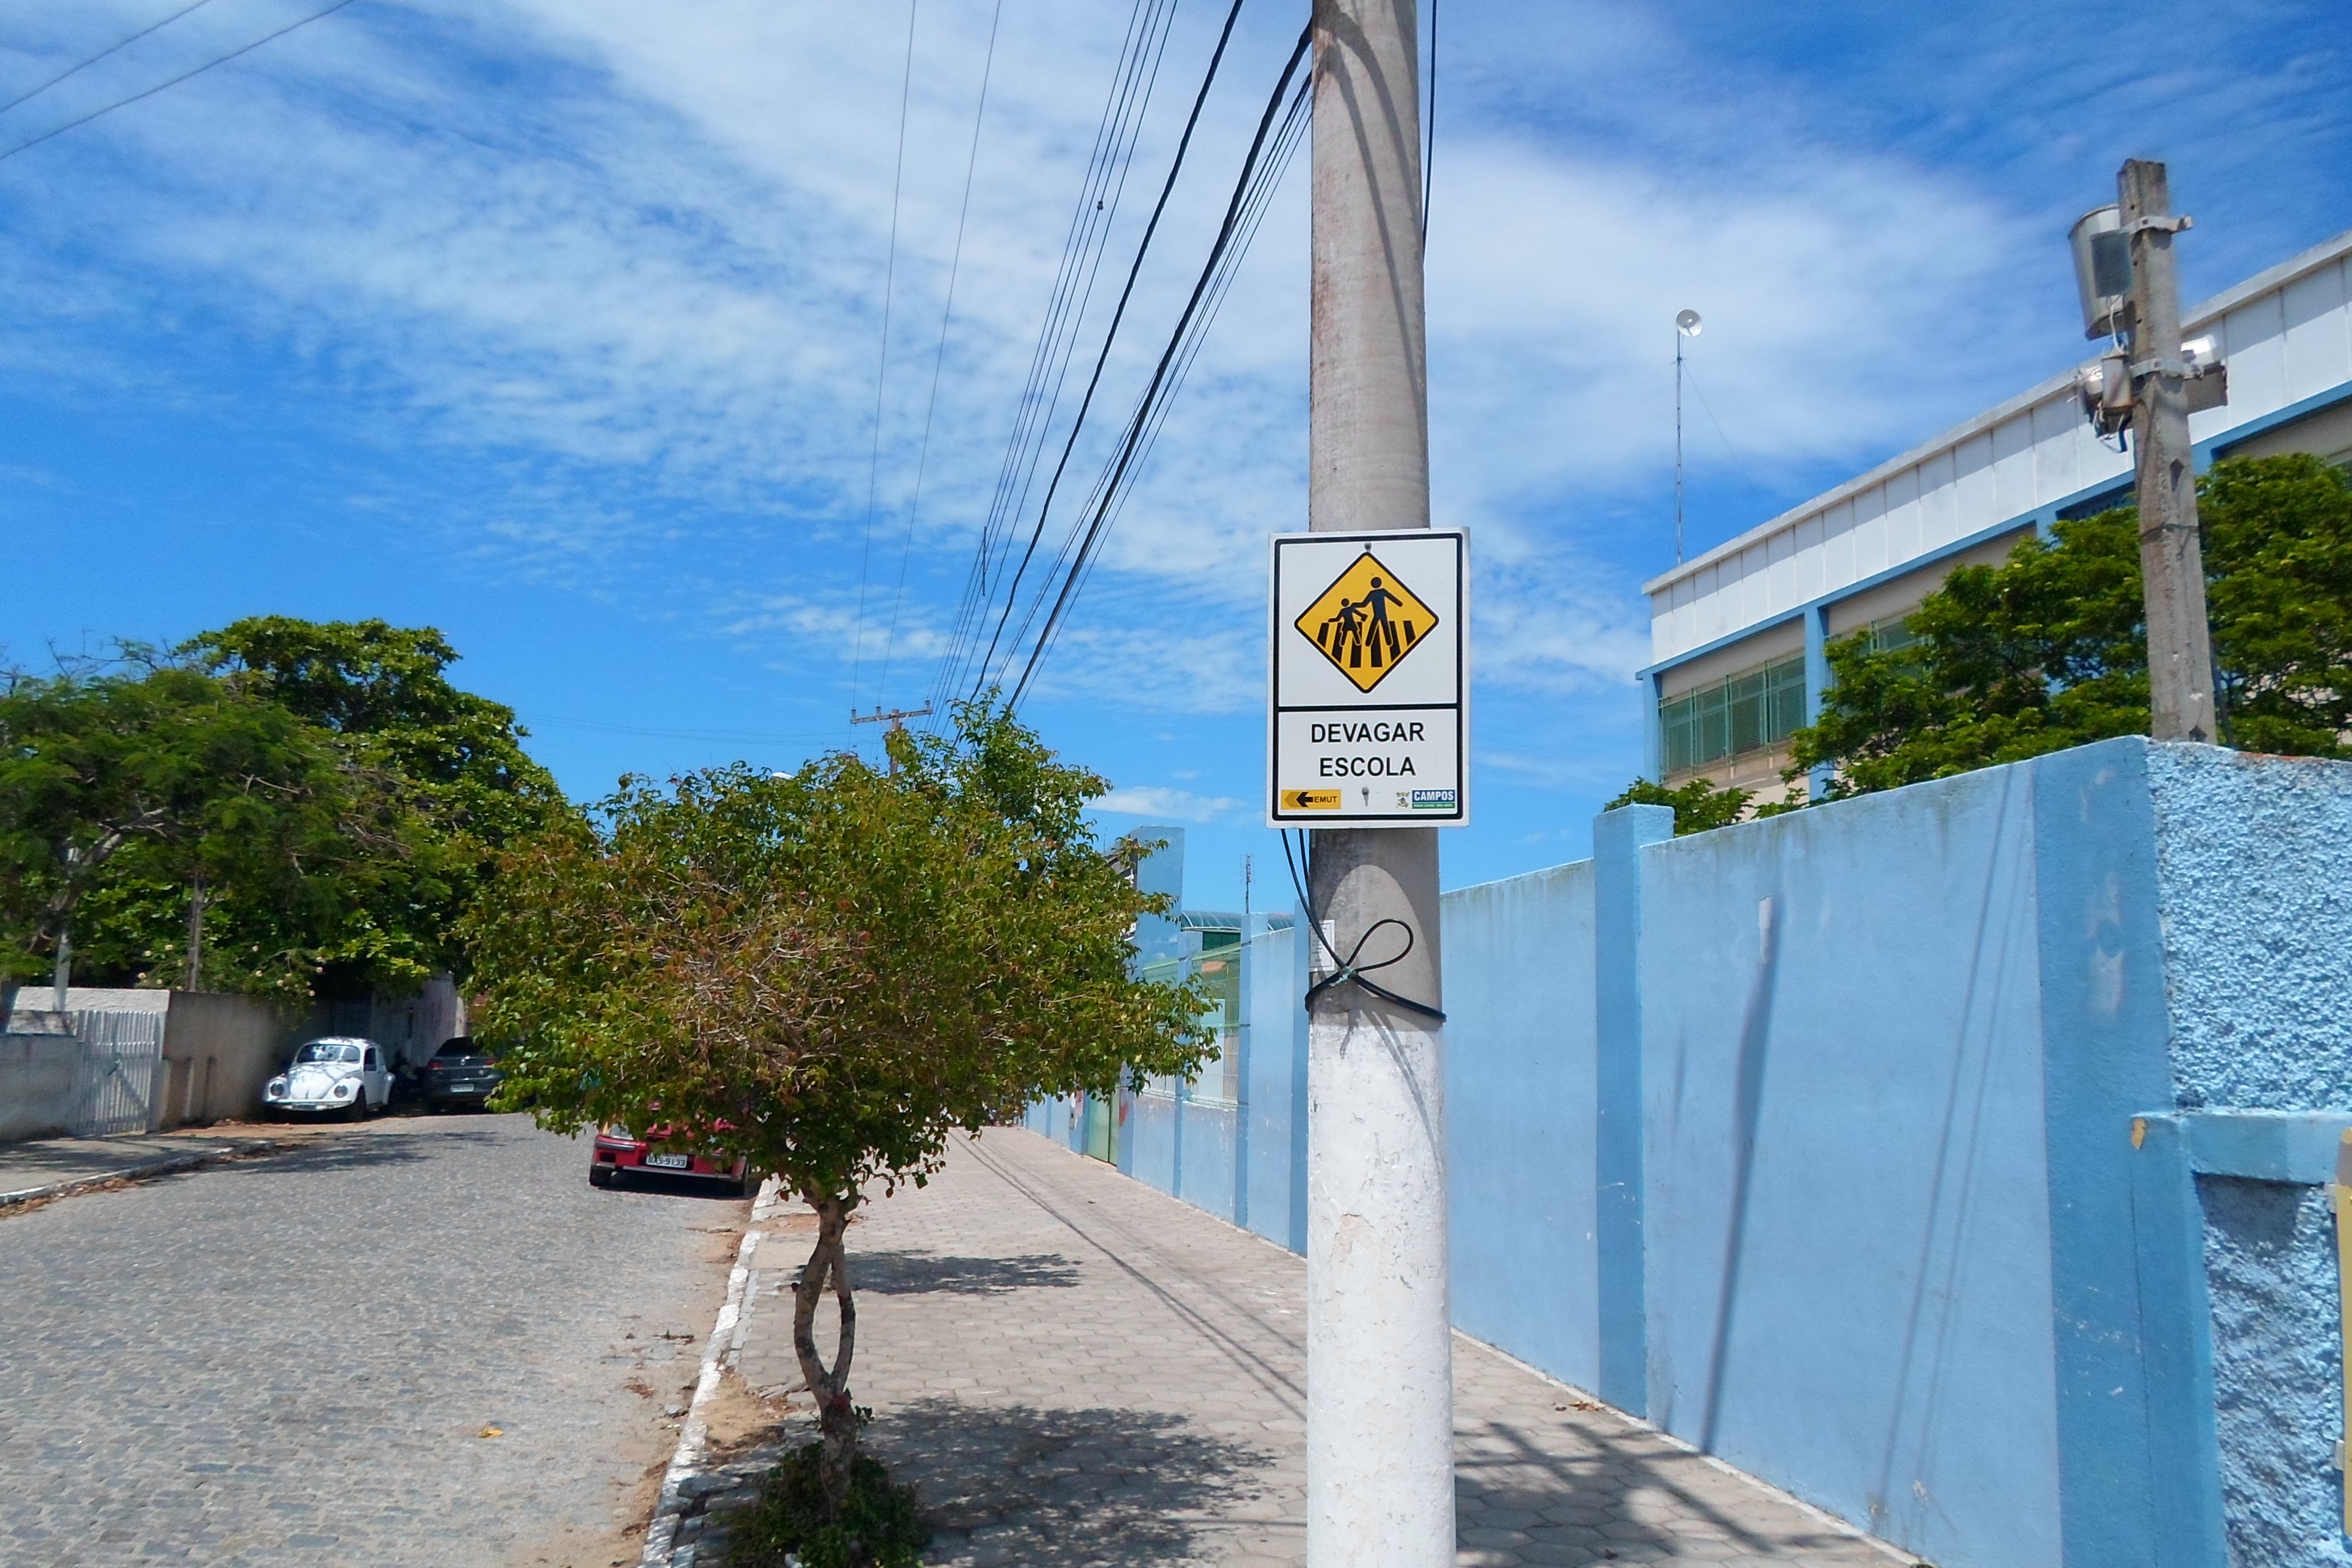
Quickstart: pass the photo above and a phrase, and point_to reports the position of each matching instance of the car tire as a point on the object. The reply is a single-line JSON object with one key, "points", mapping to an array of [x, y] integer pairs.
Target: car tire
{"points": [[357, 1110], [600, 1175]]}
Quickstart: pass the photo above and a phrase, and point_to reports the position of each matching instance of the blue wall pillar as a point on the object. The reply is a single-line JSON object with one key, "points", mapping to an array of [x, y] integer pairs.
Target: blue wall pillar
{"points": [[1618, 839], [2135, 1477], [1817, 686]]}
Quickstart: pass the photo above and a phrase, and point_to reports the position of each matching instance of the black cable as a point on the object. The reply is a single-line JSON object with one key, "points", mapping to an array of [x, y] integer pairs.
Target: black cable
{"points": [[1347, 969], [1127, 293], [1099, 198], [199, 70], [1266, 182], [1429, 132], [115, 47], [1225, 238]]}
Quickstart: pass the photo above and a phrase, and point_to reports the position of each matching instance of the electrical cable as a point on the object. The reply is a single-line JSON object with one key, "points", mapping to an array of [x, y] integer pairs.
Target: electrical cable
{"points": [[1429, 131], [115, 47], [882, 365], [1118, 314], [1100, 195], [1346, 969], [1225, 239], [939, 355], [174, 81], [1108, 499], [1264, 184]]}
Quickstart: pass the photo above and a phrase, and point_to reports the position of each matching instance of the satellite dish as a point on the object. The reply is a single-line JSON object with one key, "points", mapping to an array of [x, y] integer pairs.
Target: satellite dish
{"points": [[1686, 322]]}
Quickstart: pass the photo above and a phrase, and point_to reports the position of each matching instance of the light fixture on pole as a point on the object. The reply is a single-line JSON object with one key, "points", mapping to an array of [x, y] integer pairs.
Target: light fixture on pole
{"points": [[1686, 325]]}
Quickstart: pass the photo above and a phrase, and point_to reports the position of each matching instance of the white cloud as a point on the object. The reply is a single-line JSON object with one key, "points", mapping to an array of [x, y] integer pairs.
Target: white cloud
{"points": [[1177, 805]]}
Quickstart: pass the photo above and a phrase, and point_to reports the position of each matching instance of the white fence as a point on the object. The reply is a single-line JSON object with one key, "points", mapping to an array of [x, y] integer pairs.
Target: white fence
{"points": [[115, 1080]]}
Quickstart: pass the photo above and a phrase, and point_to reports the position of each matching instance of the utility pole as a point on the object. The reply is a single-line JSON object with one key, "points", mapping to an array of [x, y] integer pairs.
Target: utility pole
{"points": [[897, 718], [1380, 1352], [197, 932], [2172, 565]]}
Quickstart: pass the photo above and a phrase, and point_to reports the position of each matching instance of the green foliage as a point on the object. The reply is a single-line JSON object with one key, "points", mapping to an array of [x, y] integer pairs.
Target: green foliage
{"points": [[876, 1524], [2049, 649], [840, 965], [340, 800], [117, 789], [446, 765], [1698, 805]]}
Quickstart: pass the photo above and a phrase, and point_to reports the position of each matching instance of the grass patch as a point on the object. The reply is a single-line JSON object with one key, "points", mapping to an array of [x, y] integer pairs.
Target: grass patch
{"points": [[877, 1528]]}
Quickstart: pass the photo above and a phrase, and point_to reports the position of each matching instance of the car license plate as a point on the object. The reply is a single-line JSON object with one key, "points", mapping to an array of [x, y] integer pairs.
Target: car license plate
{"points": [[670, 1162]]}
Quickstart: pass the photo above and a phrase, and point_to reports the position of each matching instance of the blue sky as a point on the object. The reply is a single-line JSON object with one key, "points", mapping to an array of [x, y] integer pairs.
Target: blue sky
{"points": [[557, 326]]}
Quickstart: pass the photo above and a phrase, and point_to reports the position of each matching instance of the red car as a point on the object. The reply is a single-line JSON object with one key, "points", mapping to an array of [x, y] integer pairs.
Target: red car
{"points": [[619, 1152]]}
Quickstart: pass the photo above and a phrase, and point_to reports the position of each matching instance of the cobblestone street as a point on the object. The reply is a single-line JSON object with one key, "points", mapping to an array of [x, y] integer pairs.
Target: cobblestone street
{"points": [[301, 1358], [1078, 1370]]}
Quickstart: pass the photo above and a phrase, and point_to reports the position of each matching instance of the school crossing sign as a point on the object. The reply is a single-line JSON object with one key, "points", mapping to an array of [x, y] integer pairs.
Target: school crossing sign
{"points": [[1369, 677]]}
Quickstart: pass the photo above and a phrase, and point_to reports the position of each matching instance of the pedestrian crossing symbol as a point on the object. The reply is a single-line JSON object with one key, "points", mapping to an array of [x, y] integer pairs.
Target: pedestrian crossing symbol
{"points": [[1366, 622]]}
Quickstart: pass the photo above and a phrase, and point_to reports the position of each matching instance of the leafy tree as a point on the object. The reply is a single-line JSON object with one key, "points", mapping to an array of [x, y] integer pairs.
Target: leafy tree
{"points": [[162, 773], [828, 972], [2049, 649], [1698, 805], [449, 763], [317, 798]]}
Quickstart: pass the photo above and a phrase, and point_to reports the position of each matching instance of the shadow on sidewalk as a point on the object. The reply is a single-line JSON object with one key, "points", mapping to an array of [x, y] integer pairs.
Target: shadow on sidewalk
{"points": [[916, 1273], [1087, 1486]]}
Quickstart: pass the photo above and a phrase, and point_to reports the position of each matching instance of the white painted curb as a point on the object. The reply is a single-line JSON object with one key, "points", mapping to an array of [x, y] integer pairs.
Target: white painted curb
{"points": [[685, 1463]]}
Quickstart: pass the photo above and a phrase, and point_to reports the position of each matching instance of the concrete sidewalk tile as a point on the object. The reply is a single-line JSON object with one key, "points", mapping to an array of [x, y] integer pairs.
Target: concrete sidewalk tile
{"points": [[1076, 1369]]}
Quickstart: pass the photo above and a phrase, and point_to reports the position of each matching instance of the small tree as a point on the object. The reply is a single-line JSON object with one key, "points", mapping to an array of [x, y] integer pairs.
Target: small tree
{"points": [[828, 972], [2049, 649], [1699, 804]]}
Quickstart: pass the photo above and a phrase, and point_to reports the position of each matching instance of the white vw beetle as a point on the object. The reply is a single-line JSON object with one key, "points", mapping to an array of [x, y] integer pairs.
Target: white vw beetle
{"points": [[340, 1073]]}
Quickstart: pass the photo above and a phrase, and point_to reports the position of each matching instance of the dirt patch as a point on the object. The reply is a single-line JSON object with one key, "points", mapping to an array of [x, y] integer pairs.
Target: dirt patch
{"points": [[740, 1420]]}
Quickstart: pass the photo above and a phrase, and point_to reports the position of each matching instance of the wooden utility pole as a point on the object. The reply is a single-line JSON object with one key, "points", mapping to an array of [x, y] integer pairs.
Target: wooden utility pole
{"points": [[1380, 1372], [2172, 563], [897, 718]]}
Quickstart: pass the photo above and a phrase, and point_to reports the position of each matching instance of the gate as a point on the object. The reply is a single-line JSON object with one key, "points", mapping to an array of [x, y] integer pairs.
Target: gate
{"points": [[114, 1080]]}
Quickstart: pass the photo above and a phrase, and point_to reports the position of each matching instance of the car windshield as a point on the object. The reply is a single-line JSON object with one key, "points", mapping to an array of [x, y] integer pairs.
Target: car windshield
{"points": [[327, 1051]]}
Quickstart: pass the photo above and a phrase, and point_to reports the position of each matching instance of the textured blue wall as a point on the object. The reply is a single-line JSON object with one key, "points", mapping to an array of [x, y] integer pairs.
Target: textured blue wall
{"points": [[1519, 1117], [2255, 889], [1848, 1213], [2270, 1248]]}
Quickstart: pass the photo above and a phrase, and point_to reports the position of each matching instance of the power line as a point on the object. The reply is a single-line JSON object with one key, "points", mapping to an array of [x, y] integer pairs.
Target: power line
{"points": [[882, 365], [1143, 249], [1234, 209], [184, 76], [115, 47], [1266, 183], [940, 354], [1100, 195]]}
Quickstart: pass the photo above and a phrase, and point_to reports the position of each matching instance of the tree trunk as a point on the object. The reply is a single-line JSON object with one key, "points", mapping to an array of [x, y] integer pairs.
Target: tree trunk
{"points": [[836, 1416]]}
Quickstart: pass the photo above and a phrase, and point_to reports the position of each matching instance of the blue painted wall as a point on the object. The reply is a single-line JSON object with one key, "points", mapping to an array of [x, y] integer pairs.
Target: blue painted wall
{"points": [[1519, 1117], [1952, 1157], [1847, 1214]]}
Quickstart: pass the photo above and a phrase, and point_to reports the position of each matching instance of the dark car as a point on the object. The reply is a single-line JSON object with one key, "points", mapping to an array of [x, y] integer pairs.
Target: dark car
{"points": [[460, 1073], [620, 1153]]}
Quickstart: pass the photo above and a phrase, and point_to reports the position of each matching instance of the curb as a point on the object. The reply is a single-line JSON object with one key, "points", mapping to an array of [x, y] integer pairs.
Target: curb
{"points": [[145, 1169], [684, 1484]]}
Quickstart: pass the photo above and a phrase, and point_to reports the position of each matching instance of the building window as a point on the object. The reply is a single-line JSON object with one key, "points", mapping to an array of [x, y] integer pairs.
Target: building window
{"points": [[1744, 712], [1886, 636]]}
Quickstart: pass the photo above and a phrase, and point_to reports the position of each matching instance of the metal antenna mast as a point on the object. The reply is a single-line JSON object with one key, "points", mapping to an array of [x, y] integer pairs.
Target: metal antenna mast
{"points": [[1686, 325]]}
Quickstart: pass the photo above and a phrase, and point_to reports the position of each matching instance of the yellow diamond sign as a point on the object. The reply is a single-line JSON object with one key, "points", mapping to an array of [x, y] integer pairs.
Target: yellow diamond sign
{"points": [[1366, 622]]}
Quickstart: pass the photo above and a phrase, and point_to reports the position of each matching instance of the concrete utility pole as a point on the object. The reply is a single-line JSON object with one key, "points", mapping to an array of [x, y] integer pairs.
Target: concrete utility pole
{"points": [[1380, 1352], [2172, 564]]}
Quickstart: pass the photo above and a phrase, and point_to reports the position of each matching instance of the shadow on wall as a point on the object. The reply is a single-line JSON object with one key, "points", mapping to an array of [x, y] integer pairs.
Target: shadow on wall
{"points": [[1057, 1488]]}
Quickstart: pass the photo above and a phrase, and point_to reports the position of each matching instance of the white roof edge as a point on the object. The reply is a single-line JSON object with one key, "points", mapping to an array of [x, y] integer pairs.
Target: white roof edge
{"points": [[2203, 314]]}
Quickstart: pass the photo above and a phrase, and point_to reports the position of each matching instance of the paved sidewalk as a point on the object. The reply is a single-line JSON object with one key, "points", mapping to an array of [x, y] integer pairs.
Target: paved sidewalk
{"points": [[1078, 1369], [46, 1165]]}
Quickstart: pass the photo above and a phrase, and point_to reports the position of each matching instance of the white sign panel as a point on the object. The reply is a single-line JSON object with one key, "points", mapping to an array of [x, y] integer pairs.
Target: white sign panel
{"points": [[1367, 722]]}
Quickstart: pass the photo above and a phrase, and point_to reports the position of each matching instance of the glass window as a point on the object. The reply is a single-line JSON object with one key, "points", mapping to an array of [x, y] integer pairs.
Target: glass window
{"points": [[1743, 712]]}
